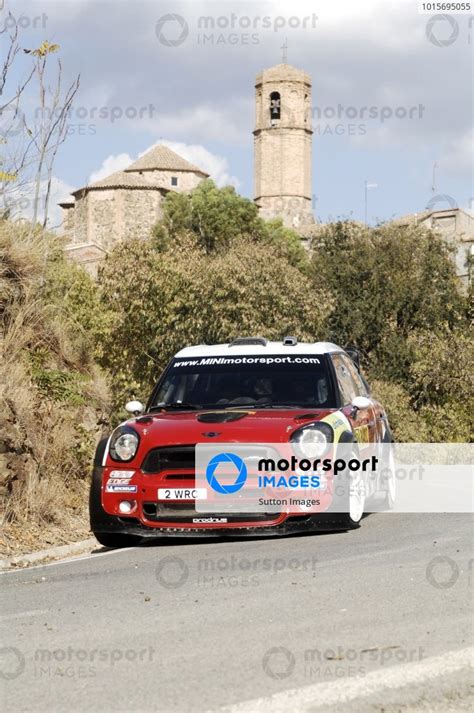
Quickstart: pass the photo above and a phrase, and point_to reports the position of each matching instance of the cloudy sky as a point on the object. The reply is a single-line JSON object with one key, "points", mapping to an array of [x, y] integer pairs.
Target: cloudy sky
{"points": [[183, 73]]}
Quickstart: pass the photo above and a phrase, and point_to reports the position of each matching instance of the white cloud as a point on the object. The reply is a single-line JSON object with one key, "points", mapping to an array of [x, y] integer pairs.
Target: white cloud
{"points": [[110, 165], [337, 11], [204, 122]]}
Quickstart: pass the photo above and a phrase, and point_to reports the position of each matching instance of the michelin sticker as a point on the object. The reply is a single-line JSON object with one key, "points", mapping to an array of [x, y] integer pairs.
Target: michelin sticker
{"points": [[122, 488]]}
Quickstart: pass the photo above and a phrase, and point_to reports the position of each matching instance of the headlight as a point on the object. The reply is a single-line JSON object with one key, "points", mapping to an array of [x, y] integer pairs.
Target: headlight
{"points": [[312, 441], [124, 445]]}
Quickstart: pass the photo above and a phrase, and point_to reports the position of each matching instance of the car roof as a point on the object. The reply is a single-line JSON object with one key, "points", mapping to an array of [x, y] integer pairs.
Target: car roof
{"points": [[206, 350]]}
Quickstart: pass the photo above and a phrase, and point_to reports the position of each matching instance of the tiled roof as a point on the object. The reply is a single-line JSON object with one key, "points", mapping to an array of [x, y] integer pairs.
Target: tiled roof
{"points": [[162, 157], [120, 179]]}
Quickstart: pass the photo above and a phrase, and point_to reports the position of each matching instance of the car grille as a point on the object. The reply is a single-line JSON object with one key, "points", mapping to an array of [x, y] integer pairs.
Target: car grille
{"points": [[182, 458], [185, 512], [170, 458]]}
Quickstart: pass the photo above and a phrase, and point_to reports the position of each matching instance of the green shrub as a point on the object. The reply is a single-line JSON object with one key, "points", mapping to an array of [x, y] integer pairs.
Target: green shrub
{"points": [[159, 302]]}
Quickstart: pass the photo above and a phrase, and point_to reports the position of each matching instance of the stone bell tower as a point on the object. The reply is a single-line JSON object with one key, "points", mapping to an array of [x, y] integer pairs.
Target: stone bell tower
{"points": [[282, 145]]}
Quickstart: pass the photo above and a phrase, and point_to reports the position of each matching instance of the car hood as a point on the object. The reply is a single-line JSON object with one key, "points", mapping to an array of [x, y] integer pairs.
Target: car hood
{"points": [[236, 425]]}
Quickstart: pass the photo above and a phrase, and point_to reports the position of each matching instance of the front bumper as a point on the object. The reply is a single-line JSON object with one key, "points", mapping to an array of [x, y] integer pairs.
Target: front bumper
{"points": [[108, 519]]}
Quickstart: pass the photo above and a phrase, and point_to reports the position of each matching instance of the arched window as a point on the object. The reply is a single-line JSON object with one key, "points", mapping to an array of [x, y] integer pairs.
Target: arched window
{"points": [[275, 105]]}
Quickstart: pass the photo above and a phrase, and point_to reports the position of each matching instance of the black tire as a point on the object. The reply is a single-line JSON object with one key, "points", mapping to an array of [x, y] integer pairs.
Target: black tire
{"points": [[106, 528], [116, 541], [343, 521]]}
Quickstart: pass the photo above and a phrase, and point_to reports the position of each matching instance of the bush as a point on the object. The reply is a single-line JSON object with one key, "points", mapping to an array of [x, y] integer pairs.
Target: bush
{"points": [[159, 302], [387, 282], [434, 403], [406, 424], [51, 390], [397, 298], [217, 217]]}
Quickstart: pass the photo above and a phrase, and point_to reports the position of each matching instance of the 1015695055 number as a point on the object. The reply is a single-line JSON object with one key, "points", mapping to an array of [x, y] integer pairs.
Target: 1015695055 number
{"points": [[452, 7]]}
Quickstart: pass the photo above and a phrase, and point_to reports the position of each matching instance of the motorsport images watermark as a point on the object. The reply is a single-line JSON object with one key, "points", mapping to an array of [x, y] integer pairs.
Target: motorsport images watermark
{"points": [[274, 479], [80, 120], [12, 121], [15, 203], [173, 30], [9, 22], [312, 474], [444, 572], [71, 662], [444, 30], [352, 120], [12, 663], [280, 663], [172, 572]]}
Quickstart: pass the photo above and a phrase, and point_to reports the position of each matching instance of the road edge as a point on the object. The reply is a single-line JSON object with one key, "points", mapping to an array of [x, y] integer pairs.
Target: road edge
{"points": [[21, 561]]}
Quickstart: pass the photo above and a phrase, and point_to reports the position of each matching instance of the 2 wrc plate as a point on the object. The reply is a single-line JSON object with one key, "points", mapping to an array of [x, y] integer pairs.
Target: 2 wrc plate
{"points": [[182, 494]]}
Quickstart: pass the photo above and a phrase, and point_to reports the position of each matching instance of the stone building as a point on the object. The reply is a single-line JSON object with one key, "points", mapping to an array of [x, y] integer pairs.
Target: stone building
{"points": [[456, 226], [283, 145], [126, 204]]}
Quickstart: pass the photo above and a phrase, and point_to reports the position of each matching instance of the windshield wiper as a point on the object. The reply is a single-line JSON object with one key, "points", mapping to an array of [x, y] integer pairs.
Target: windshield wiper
{"points": [[285, 406], [176, 405], [185, 406], [255, 405]]}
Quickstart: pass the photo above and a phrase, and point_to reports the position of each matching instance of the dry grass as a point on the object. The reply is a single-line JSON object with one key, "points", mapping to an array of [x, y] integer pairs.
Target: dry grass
{"points": [[51, 400]]}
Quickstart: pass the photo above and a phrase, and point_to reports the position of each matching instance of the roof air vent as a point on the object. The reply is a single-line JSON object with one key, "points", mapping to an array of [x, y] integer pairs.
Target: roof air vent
{"points": [[249, 341], [290, 341]]}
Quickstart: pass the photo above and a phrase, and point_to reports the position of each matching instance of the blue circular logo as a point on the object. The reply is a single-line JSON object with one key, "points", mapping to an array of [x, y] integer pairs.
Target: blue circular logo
{"points": [[226, 458]]}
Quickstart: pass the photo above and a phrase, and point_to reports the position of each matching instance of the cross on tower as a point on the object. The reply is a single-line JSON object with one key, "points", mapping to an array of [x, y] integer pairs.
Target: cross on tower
{"points": [[284, 52]]}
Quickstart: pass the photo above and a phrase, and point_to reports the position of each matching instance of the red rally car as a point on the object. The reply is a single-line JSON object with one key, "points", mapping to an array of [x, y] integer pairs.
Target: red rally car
{"points": [[249, 391]]}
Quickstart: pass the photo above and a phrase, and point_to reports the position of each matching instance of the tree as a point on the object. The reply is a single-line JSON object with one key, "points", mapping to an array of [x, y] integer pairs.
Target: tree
{"points": [[157, 302], [397, 298], [440, 382], [31, 138], [14, 154], [217, 217], [386, 282], [51, 130]]}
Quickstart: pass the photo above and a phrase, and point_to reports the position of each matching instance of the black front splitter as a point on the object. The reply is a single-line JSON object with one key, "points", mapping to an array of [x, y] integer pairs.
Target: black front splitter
{"points": [[315, 523]]}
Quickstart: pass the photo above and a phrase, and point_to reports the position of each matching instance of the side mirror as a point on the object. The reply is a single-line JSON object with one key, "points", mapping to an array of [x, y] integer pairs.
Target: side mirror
{"points": [[134, 407], [354, 355], [359, 403]]}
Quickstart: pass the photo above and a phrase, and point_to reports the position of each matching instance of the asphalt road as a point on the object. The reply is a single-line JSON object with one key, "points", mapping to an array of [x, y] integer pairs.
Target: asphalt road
{"points": [[378, 619]]}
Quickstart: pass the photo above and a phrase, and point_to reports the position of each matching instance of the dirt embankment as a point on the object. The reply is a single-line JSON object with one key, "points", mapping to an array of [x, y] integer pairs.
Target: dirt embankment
{"points": [[53, 398]]}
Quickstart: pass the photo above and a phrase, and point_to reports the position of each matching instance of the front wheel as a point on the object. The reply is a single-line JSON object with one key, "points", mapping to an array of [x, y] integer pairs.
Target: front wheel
{"points": [[389, 499], [387, 491], [350, 503], [350, 520]]}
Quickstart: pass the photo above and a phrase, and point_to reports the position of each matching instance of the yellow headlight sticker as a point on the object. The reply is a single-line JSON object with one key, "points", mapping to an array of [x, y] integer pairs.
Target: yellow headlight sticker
{"points": [[339, 424]]}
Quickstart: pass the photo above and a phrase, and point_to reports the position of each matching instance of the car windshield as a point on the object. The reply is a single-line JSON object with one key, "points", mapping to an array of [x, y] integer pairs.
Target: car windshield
{"points": [[296, 381]]}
